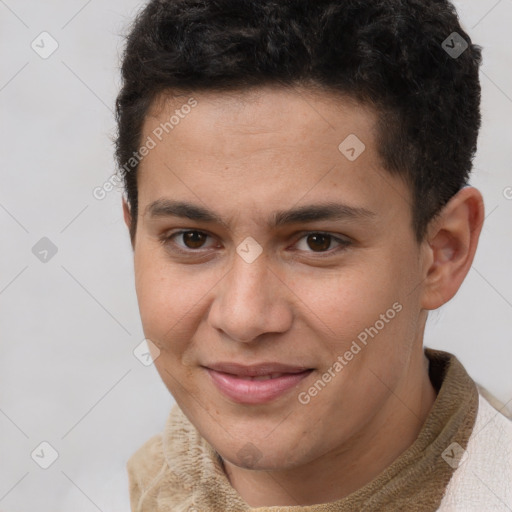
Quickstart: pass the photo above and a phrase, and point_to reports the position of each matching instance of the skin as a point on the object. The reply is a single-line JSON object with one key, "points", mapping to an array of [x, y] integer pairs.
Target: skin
{"points": [[246, 155]]}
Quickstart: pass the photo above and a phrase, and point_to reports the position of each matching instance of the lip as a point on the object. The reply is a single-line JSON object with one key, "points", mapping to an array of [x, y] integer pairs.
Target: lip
{"points": [[234, 380], [255, 370]]}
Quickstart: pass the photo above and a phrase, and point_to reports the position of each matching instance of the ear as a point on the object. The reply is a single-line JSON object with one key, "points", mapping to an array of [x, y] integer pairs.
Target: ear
{"points": [[128, 219], [451, 244], [126, 213]]}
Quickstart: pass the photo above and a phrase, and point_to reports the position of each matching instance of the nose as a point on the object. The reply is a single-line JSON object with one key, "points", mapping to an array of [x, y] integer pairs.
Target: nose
{"points": [[250, 301]]}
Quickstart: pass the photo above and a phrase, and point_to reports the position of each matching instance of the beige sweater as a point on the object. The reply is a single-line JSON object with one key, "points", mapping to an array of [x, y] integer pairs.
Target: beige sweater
{"points": [[179, 471]]}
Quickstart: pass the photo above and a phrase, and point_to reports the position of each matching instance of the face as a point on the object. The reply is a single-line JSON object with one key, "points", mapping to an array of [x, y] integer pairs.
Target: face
{"points": [[266, 241]]}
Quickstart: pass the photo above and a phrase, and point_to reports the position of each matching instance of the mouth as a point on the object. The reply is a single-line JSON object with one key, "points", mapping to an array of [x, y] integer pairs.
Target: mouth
{"points": [[256, 384]]}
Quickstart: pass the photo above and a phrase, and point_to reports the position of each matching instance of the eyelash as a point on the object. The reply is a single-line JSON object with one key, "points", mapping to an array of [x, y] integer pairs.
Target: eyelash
{"points": [[167, 239]]}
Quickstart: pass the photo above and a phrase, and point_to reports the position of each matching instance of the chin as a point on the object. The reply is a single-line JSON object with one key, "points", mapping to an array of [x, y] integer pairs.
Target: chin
{"points": [[262, 456]]}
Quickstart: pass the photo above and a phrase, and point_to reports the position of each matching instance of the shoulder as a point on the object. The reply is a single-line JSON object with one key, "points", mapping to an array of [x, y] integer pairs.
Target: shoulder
{"points": [[483, 478]]}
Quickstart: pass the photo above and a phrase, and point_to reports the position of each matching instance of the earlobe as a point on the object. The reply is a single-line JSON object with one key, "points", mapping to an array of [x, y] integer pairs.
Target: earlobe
{"points": [[451, 242]]}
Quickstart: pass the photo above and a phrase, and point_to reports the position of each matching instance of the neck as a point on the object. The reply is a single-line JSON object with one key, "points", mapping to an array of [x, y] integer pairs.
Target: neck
{"points": [[357, 462]]}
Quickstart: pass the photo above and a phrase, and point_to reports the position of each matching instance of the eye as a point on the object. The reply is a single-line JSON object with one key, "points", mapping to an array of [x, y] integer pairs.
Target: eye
{"points": [[192, 240], [321, 242]]}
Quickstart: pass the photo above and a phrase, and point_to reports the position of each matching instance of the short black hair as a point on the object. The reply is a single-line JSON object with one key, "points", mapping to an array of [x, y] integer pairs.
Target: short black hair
{"points": [[388, 54]]}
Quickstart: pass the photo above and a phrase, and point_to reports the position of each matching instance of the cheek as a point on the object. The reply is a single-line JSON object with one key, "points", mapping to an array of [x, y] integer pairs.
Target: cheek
{"points": [[162, 299], [348, 300], [171, 297]]}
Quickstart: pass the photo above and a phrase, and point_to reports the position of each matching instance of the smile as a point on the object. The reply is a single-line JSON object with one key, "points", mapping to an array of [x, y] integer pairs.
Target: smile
{"points": [[256, 389]]}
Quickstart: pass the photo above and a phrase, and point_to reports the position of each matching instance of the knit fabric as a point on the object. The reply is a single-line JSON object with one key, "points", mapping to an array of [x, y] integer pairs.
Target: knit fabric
{"points": [[179, 471], [483, 479]]}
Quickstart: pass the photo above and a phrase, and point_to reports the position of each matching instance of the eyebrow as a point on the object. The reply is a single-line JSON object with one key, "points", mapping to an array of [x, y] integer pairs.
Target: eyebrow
{"points": [[302, 214]]}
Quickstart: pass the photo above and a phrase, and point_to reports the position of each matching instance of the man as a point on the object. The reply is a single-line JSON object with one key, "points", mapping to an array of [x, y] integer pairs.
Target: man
{"points": [[297, 198]]}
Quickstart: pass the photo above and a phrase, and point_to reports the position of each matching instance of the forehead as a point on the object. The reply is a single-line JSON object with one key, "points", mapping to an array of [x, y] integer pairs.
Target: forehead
{"points": [[267, 111], [264, 146]]}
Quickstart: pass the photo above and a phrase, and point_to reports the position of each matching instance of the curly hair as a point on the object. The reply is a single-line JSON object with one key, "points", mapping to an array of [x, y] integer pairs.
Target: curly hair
{"points": [[385, 53]]}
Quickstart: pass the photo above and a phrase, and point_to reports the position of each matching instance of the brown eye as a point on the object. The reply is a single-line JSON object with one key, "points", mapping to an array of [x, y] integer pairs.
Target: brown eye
{"points": [[194, 239], [187, 242], [319, 242]]}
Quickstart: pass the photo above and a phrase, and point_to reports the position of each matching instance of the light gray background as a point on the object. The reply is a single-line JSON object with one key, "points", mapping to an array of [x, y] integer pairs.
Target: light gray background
{"points": [[69, 326]]}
